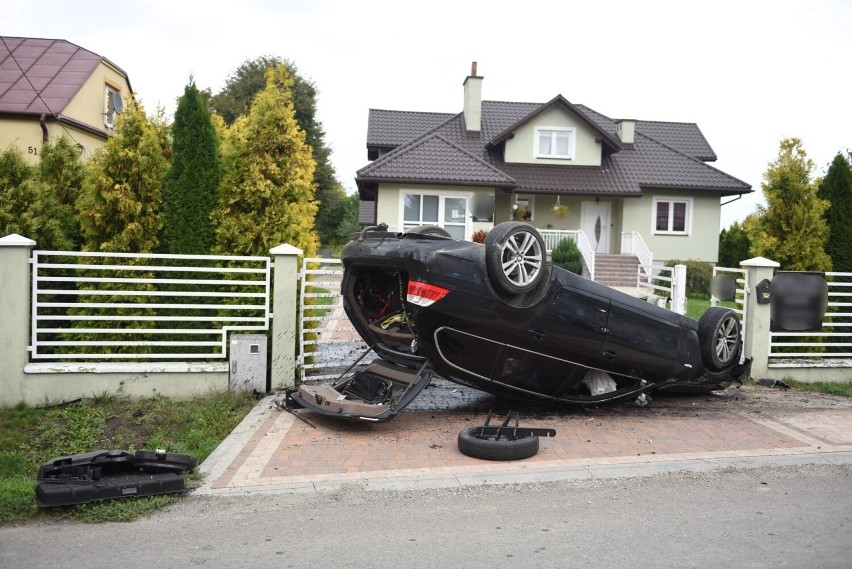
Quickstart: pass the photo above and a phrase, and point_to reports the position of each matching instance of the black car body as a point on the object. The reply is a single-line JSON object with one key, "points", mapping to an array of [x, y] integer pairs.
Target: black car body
{"points": [[498, 317]]}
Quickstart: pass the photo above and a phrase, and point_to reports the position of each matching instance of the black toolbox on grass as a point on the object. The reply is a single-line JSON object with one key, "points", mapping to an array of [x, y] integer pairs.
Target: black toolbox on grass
{"points": [[110, 474]]}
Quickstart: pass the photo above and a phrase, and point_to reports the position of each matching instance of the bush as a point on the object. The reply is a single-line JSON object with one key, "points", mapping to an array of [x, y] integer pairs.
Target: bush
{"points": [[567, 256], [698, 275]]}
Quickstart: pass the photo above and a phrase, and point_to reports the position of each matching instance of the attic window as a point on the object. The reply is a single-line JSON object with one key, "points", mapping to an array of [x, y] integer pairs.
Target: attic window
{"points": [[112, 106], [554, 142]]}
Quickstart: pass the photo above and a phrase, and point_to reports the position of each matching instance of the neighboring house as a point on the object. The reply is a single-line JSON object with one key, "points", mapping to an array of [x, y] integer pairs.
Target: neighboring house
{"points": [[52, 87], [619, 178]]}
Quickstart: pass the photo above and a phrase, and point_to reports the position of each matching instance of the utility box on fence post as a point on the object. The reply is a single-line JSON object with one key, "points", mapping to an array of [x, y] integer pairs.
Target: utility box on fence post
{"points": [[248, 363]]}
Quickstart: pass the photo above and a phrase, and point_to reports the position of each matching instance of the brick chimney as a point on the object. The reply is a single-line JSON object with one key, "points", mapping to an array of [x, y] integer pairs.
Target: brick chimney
{"points": [[473, 101]]}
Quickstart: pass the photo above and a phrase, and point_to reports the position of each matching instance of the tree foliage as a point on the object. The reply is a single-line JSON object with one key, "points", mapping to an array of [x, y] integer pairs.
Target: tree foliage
{"points": [[734, 246], [119, 206], [28, 205], [790, 229], [568, 256], [190, 189], [62, 169], [236, 99], [267, 192], [836, 188]]}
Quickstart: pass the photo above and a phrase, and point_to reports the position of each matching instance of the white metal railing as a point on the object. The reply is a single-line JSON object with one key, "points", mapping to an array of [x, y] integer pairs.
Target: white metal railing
{"points": [[658, 280], [633, 244], [552, 237], [829, 344], [328, 343], [160, 306]]}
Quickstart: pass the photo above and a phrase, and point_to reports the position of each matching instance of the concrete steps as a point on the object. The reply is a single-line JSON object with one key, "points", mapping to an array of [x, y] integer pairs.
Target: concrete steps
{"points": [[616, 270]]}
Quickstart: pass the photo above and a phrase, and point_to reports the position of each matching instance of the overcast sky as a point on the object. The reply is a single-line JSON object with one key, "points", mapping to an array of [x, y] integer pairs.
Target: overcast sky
{"points": [[748, 72]]}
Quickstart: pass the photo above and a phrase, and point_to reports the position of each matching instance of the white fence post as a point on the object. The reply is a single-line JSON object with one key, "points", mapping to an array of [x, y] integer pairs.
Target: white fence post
{"points": [[285, 312], [679, 289], [15, 322], [757, 325]]}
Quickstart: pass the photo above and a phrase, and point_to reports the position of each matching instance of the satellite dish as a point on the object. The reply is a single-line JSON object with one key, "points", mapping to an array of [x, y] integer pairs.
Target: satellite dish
{"points": [[482, 206], [117, 103]]}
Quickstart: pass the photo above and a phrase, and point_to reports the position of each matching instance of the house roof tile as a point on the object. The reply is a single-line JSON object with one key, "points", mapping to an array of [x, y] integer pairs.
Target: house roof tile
{"points": [[664, 155], [42, 75], [393, 128], [433, 158]]}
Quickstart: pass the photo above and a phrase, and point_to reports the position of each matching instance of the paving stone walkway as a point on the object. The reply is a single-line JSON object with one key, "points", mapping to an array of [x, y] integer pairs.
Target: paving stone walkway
{"points": [[274, 451]]}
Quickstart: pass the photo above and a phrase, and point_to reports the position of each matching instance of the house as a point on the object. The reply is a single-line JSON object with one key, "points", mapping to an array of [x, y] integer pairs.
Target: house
{"points": [[51, 87], [630, 187]]}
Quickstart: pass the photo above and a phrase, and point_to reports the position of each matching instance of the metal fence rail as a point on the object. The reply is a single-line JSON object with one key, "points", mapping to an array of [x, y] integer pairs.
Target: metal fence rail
{"points": [[828, 343], [738, 305], [111, 306], [328, 344]]}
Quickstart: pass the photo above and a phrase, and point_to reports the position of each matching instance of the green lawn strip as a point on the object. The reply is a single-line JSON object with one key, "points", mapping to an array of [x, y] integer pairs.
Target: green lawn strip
{"points": [[30, 436], [827, 387]]}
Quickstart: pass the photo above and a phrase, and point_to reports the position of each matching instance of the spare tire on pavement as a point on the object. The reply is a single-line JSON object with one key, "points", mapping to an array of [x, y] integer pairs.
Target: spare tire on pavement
{"points": [[474, 444]]}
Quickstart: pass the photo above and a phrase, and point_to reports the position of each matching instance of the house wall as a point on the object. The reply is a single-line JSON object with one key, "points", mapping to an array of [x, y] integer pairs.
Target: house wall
{"points": [[521, 148], [542, 210], [388, 207], [27, 136], [702, 242], [87, 106]]}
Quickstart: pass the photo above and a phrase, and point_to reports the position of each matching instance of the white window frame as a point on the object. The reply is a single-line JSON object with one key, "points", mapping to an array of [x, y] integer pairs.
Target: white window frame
{"points": [[671, 200], [109, 117], [468, 221], [572, 145]]}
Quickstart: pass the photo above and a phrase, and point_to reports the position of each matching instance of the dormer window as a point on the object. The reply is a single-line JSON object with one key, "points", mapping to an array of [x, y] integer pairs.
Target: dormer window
{"points": [[112, 106], [554, 142]]}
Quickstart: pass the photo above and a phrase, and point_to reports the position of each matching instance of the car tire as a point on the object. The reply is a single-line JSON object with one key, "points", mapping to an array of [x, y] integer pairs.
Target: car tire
{"points": [[506, 448], [431, 230], [719, 334], [515, 257], [153, 462]]}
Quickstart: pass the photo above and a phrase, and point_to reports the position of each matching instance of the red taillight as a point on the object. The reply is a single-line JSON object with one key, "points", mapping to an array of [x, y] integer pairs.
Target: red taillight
{"points": [[424, 294]]}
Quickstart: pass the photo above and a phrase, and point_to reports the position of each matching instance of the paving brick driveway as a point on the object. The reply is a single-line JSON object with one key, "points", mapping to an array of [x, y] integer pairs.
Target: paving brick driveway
{"points": [[275, 451]]}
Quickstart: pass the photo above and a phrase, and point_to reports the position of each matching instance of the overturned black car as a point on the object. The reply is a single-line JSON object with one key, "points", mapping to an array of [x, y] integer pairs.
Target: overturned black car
{"points": [[497, 316]]}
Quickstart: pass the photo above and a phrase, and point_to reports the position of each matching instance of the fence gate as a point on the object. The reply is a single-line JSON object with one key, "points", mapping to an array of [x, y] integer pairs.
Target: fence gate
{"points": [[739, 304], [328, 344]]}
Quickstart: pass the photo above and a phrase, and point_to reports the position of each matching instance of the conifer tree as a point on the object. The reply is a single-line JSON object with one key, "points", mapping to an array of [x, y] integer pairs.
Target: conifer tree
{"points": [[836, 187], [267, 190], [790, 229], [235, 100], [29, 206], [62, 170], [734, 246], [190, 190], [119, 206]]}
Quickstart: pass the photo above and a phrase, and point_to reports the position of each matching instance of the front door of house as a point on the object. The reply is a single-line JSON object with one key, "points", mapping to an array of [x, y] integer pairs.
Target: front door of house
{"points": [[595, 220]]}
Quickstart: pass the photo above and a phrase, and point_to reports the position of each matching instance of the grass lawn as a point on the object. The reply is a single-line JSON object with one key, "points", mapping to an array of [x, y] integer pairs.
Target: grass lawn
{"points": [[831, 388], [30, 436], [697, 305]]}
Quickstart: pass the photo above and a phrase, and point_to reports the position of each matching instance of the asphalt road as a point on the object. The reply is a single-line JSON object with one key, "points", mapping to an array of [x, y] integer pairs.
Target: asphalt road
{"points": [[791, 517]]}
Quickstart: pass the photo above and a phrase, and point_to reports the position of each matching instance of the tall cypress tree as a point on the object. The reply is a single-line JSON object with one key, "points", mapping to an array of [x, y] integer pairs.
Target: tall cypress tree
{"points": [[190, 190], [119, 206], [235, 99], [836, 187], [267, 191], [790, 229]]}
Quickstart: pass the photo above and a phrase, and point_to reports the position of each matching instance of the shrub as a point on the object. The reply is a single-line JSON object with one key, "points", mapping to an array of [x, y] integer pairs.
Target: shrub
{"points": [[698, 275], [479, 236], [567, 256]]}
